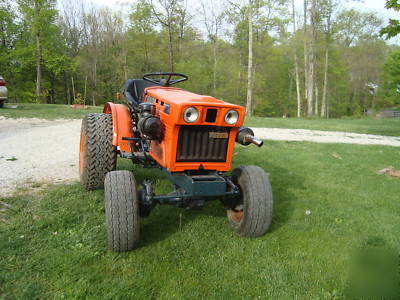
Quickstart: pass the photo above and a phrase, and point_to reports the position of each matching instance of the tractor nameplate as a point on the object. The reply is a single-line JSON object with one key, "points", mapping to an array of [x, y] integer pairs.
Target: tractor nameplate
{"points": [[218, 135]]}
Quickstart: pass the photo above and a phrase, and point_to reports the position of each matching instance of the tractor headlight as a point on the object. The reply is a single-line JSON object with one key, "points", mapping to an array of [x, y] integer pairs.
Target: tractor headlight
{"points": [[190, 114], [231, 117]]}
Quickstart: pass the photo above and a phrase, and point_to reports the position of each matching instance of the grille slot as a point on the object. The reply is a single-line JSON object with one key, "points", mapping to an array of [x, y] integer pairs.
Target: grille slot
{"points": [[211, 115], [199, 143]]}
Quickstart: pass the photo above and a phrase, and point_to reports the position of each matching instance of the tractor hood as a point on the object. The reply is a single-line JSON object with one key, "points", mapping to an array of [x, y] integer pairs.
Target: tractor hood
{"points": [[172, 102]]}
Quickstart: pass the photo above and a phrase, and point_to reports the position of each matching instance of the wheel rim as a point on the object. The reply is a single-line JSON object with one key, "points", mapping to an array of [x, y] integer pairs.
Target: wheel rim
{"points": [[235, 215], [81, 153]]}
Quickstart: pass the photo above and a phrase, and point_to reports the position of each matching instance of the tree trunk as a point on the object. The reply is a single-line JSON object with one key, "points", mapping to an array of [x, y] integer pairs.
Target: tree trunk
{"points": [[52, 93], [306, 71], [311, 62], [373, 101], [250, 64], [66, 89], [316, 99], [287, 108], [296, 66], [94, 93], [3, 40], [73, 88], [215, 64], [310, 82], [324, 109], [146, 55], [37, 9], [38, 65], [171, 50], [325, 91], [84, 93], [126, 67], [238, 85]]}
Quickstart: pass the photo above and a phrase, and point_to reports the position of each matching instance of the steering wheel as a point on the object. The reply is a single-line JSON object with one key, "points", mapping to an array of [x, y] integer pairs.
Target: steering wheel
{"points": [[165, 81]]}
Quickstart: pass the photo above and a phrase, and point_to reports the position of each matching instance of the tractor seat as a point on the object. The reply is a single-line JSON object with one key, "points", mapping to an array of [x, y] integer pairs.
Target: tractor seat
{"points": [[134, 89]]}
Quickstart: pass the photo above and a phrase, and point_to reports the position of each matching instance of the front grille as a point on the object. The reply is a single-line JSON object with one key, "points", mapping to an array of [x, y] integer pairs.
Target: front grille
{"points": [[199, 143]]}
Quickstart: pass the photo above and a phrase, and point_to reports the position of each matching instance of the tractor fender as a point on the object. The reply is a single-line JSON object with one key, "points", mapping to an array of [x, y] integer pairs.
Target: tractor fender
{"points": [[122, 124]]}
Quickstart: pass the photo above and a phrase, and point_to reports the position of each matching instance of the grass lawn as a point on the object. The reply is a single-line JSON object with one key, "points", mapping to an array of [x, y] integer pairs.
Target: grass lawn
{"points": [[388, 126], [55, 245], [46, 111]]}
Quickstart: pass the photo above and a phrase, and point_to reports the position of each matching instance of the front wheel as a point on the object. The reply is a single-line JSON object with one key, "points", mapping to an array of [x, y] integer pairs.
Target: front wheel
{"points": [[122, 211], [252, 214]]}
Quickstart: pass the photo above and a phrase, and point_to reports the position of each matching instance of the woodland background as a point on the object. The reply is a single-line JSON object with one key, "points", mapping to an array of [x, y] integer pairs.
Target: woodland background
{"points": [[325, 60]]}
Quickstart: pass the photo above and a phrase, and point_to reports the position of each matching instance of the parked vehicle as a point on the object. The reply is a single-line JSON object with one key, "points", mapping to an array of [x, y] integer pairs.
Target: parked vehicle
{"points": [[191, 138], [3, 91]]}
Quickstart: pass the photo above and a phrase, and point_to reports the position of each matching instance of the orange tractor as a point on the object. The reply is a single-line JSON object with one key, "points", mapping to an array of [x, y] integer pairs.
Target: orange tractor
{"points": [[190, 138]]}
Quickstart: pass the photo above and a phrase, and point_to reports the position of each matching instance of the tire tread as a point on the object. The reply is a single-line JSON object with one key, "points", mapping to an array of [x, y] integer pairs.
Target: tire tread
{"points": [[122, 211], [258, 201], [100, 155]]}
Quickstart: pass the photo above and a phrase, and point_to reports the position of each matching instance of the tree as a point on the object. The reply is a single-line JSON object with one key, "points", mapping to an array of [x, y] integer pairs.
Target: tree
{"points": [[171, 15], [296, 65], [392, 80], [327, 13], [40, 16], [311, 62], [393, 28], [250, 62], [72, 26], [255, 58], [8, 35], [213, 17], [141, 30], [353, 26]]}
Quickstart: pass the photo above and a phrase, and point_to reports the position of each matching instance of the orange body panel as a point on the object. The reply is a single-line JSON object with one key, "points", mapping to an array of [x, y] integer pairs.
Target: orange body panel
{"points": [[122, 124], [175, 101]]}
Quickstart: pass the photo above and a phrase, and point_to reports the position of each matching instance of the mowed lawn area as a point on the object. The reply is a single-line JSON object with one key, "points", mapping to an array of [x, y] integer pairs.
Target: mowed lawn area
{"points": [[335, 235], [46, 111]]}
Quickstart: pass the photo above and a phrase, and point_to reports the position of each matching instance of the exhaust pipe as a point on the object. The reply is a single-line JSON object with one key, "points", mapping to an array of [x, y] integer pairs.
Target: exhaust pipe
{"points": [[245, 136]]}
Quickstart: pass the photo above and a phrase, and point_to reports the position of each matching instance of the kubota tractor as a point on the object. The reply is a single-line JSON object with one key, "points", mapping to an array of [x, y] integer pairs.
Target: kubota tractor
{"points": [[190, 138]]}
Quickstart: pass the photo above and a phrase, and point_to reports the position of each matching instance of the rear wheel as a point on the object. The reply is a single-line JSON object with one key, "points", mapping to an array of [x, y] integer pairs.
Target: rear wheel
{"points": [[122, 211], [97, 155], [252, 215]]}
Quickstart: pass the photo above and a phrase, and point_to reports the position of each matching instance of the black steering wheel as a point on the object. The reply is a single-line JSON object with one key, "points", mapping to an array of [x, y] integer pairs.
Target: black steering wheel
{"points": [[165, 81]]}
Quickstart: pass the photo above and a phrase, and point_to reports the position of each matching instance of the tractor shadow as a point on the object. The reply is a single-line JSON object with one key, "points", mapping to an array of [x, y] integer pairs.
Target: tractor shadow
{"points": [[284, 184], [164, 221]]}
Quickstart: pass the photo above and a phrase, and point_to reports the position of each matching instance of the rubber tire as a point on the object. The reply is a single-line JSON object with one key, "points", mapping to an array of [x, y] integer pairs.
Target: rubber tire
{"points": [[122, 211], [97, 156], [256, 195]]}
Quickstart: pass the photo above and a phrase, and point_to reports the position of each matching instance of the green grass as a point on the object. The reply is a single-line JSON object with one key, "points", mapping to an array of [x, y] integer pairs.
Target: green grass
{"points": [[55, 243], [46, 111], [388, 126]]}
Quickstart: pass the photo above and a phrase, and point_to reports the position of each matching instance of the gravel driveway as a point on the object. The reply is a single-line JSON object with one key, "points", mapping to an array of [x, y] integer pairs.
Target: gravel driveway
{"points": [[318, 136], [33, 150]]}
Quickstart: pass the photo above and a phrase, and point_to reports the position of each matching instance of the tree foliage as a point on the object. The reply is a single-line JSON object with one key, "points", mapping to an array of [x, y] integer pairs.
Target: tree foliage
{"points": [[393, 28], [91, 51]]}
